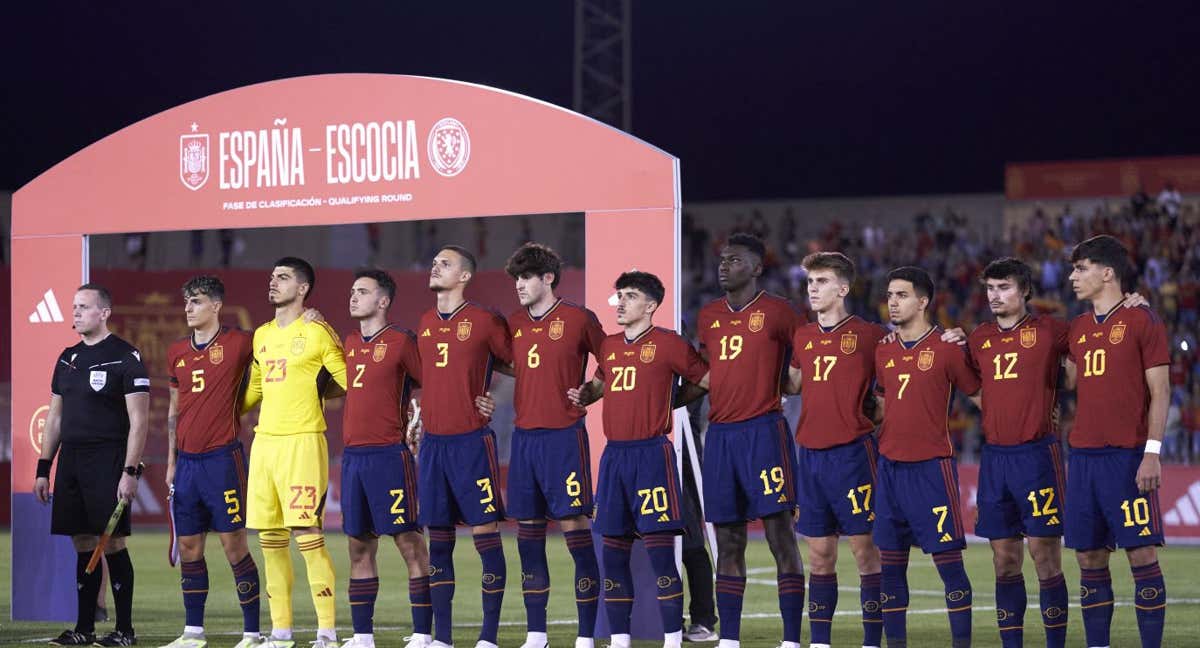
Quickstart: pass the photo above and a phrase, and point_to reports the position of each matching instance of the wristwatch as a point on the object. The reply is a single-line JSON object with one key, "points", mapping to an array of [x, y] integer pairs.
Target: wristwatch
{"points": [[135, 471]]}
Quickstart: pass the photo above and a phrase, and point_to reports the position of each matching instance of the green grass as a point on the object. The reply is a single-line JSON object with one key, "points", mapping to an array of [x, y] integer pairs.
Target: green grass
{"points": [[158, 608]]}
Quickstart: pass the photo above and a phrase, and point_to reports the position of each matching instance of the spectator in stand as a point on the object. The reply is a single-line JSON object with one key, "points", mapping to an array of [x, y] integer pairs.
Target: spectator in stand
{"points": [[1169, 200]]}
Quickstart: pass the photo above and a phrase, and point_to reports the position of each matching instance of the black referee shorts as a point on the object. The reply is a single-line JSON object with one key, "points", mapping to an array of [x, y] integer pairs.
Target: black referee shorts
{"points": [[85, 491]]}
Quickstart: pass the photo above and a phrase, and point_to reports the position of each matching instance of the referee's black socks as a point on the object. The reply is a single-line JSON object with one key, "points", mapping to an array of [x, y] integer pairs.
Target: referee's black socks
{"points": [[87, 591], [120, 574]]}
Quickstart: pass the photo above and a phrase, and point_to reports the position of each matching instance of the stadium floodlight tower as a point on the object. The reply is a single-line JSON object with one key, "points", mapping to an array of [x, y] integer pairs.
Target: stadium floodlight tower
{"points": [[603, 77]]}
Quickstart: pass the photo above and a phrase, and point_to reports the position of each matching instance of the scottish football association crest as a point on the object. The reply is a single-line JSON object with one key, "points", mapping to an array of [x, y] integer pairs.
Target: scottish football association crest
{"points": [[464, 331], [647, 354], [1116, 333], [1028, 337], [449, 147], [379, 352], [193, 159], [849, 343], [925, 360], [556, 329]]}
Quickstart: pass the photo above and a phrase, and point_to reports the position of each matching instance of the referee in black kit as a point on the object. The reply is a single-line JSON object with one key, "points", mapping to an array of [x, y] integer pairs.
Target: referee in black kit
{"points": [[99, 406]]}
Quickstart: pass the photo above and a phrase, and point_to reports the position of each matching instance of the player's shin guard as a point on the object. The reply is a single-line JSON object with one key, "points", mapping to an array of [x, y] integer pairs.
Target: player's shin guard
{"points": [[587, 579], [893, 596], [958, 595], [86, 590], [1053, 598], [321, 579], [193, 580], [791, 605], [120, 576], [1150, 602], [661, 548], [822, 601], [535, 575], [441, 580], [495, 574], [872, 613], [730, 593], [245, 577], [1010, 610], [363, 592], [618, 584], [421, 603], [277, 567], [1096, 601]]}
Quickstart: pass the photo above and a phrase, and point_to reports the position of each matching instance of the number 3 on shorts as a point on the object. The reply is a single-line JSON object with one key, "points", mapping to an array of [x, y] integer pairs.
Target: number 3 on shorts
{"points": [[485, 485]]}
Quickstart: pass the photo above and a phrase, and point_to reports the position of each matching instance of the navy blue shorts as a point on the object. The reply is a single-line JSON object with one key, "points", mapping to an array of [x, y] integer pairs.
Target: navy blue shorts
{"points": [[379, 491], [837, 486], [1106, 508], [550, 473], [638, 488], [917, 503], [749, 469], [210, 491], [459, 479], [1021, 490]]}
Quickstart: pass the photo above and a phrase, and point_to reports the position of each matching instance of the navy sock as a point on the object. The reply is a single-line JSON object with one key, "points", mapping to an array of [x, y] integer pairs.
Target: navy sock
{"points": [[730, 592], [1053, 599], [661, 547], [441, 580], [893, 595], [193, 580], [587, 579], [363, 592], [791, 605], [245, 579], [958, 594], [535, 575], [120, 577], [421, 604], [822, 601], [495, 573], [618, 584], [87, 588], [1010, 610], [1096, 599], [1150, 603], [872, 614]]}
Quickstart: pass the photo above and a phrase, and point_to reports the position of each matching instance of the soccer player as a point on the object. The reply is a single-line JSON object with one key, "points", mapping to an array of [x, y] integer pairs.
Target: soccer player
{"points": [[638, 488], [550, 472], [834, 360], [379, 480], [294, 361], [916, 489], [459, 343], [1118, 360], [208, 479], [749, 456]]}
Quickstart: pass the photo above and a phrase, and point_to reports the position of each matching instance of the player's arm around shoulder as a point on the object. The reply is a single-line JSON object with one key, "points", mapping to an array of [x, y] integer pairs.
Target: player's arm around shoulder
{"points": [[333, 357], [252, 394]]}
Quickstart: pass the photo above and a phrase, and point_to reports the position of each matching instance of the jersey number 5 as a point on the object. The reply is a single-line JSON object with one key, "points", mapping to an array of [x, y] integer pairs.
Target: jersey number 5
{"points": [[197, 380]]}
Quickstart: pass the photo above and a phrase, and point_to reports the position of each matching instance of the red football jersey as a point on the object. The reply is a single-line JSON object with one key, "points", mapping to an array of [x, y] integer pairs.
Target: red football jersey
{"points": [[837, 365], [457, 353], [747, 351], [917, 381], [1018, 367], [549, 357], [209, 382], [380, 374], [639, 381], [1111, 354]]}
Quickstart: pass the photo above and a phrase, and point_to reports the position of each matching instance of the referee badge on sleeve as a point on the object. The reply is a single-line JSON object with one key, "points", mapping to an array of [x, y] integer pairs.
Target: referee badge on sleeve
{"points": [[98, 380]]}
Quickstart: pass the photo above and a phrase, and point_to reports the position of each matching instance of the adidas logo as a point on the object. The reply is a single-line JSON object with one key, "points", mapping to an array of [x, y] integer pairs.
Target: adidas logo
{"points": [[518, 334], [871, 517], [611, 356], [946, 538], [305, 516], [1082, 339], [236, 519], [715, 324], [987, 344], [890, 364], [1144, 532], [664, 518], [425, 333], [576, 502], [47, 310], [808, 347], [325, 592], [399, 520], [351, 354], [489, 509], [180, 363], [1052, 521], [782, 499], [1187, 508]]}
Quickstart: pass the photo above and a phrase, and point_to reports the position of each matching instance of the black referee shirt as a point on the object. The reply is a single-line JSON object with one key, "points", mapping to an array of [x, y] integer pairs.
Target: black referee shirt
{"points": [[93, 381]]}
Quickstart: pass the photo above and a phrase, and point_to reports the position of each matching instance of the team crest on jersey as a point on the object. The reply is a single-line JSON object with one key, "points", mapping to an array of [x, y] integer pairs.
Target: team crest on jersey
{"points": [[379, 352], [756, 322], [464, 331], [556, 329], [647, 354], [849, 343], [1116, 333], [216, 354], [925, 360], [1028, 337], [298, 345]]}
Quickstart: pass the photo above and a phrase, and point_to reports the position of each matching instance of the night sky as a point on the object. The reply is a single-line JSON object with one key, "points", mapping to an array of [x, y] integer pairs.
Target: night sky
{"points": [[758, 99]]}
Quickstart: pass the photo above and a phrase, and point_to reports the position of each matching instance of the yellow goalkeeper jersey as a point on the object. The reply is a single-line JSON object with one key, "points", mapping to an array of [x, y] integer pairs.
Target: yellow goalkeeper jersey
{"points": [[291, 370]]}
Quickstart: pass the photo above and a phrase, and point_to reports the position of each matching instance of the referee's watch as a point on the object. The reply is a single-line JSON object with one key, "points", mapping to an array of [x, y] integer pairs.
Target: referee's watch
{"points": [[135, 471]]}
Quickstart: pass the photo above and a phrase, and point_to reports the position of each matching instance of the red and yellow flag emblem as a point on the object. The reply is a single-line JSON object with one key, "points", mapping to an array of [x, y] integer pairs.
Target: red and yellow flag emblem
{"points": [[925, 360], [1028, 337], [216, 354], [464, 331], [647, 354], [379, 352], [849, 343]]}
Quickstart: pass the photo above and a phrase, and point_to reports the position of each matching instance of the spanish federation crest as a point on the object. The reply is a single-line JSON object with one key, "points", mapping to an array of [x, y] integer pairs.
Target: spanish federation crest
{"points": [[193, 160], [464, 331], [1028, 337], [556, 329], [647, 354], [756, 321], [849, 343], [216, 354], [298, 345], [378, 353], [1116, 333], [925, 360]]}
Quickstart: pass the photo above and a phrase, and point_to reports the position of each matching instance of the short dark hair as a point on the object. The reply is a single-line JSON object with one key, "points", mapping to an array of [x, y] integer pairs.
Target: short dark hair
{"points": [[1106, 251], [303, 269], [468, 258], [101, 292], [1010, 267], [385, 281], [647, 283], [921, 281], [535, 259], [750, 242], [839, 263], [205, 285]]}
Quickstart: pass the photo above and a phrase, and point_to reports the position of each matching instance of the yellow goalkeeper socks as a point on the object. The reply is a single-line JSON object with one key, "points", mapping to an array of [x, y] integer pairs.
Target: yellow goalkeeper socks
{"points": [[277, 568], [321, 578]]}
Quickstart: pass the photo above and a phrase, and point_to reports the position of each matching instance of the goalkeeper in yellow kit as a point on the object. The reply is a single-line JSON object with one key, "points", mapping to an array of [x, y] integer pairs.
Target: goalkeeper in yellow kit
{"points": [[294, 361]]}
